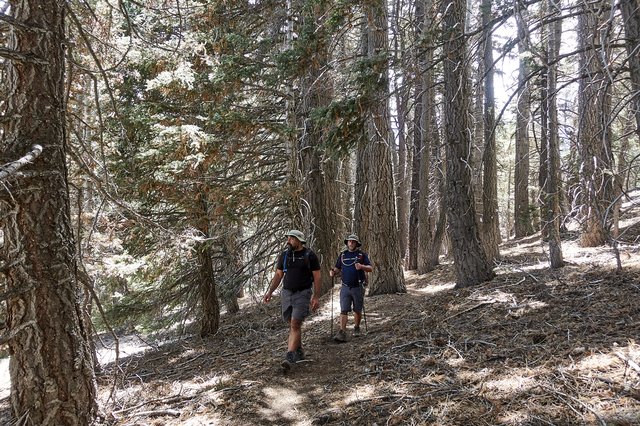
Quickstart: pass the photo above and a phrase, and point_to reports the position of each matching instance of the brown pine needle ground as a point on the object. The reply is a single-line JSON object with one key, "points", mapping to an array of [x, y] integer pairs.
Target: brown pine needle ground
{"points": [[531, 347]]}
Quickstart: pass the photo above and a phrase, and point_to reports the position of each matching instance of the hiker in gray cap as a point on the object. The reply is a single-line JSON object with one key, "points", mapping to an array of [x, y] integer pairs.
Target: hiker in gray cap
{"points": [[300, 268], [352, 264]]}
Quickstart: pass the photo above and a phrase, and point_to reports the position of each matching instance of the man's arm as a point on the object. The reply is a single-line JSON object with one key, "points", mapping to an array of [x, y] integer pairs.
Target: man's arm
{"points": [[315, 299], [366, 268], [275, 282]]}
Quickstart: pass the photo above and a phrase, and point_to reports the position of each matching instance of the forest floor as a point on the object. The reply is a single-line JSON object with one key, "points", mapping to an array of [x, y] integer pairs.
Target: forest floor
{"points": [[532, 347]]}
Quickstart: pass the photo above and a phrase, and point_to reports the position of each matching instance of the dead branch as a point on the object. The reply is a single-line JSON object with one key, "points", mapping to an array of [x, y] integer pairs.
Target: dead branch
{"points": [[12, 333], [15, 55], [629, 361], [157, 413], [470, 309], [11, 168]]}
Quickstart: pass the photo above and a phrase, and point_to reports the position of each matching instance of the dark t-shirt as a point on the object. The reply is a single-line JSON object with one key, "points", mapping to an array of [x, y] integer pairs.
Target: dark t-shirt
{"points": [[298, 275], [346, 263]]}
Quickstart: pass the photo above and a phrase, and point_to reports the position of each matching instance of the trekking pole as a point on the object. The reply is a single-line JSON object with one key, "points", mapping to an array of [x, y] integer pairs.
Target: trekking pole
{"points": [[332, 283], [364, 313]]}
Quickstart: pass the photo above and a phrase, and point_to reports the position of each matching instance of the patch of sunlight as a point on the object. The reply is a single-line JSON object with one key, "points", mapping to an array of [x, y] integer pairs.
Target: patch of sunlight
{"points": [[284, 403], [456, 361], [518, 418], [5, 381], [538, 266], [128, 345], [515, 382], [473, 376], [436, 288], [358, 393], [214, 383], [205, 419], [604, 361]]}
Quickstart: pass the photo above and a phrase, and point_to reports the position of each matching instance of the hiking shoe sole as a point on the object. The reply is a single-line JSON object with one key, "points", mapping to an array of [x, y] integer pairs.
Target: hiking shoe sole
{"points": [[286, 366]]}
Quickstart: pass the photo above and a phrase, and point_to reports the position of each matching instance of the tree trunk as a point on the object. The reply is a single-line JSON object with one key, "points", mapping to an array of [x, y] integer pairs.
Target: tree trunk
{"points": [[552, 183], [51, 366], [428, 249], [471, 264], [594, 133], [384, 248], [414, 194], [316, 92], [402, 93], [523, 223], [631, 20], [490, 222], [210, 319]]}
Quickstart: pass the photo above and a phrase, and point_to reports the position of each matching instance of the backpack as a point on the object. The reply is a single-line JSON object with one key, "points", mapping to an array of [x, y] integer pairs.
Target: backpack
{"points": [[359, 259], [305, 255]]}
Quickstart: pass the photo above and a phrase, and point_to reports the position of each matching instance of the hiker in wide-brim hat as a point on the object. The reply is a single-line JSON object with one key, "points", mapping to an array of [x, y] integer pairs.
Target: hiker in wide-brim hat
{"points": [[297, 235], [298, 268], [352, 264], [352, 237]]}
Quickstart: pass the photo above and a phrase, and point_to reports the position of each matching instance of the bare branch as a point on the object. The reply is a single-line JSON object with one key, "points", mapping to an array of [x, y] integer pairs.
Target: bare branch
{"points": [[17, 24], [9, 169], [13, 332], [14, 55]]}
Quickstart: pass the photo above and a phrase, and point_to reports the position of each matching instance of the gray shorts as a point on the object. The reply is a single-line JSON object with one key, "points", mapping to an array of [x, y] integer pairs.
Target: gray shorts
{"points": [[351, 296], [295, 304]]}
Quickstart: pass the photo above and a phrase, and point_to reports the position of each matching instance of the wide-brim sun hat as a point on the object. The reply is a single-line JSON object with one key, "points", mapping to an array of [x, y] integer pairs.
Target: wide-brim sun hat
{"points": [[296, 234], [353, 237]]}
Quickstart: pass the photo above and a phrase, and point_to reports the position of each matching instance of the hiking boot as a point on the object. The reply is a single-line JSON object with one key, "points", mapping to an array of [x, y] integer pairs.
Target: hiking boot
{"points": [[300, 353], [340, 336], [356, 331], [289, 359]]}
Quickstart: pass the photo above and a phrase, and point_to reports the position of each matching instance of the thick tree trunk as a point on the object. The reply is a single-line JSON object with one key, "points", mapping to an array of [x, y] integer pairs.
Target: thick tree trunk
{"points": [[490, 222], [384, 247], [51, 366], [471, 264], [316, 92], [594, 133]]}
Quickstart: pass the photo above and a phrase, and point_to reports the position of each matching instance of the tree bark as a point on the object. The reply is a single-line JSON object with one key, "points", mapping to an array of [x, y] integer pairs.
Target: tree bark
{"points": [[552, 182], [490, 221], [523, 224], [209, 304], [631, 20], [428, 248], [316, 92], [384, 248], [51, 366], [594, 132], [404, 157], [471, 264], [414, 194]]}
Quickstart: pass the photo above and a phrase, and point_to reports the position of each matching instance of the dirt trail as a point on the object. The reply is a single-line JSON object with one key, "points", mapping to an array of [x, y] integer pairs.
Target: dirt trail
{"points": [[531, 347]]}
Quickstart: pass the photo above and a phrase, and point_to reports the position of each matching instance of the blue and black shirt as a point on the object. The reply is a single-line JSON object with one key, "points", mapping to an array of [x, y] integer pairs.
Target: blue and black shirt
{"points": [[346, 262]]}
